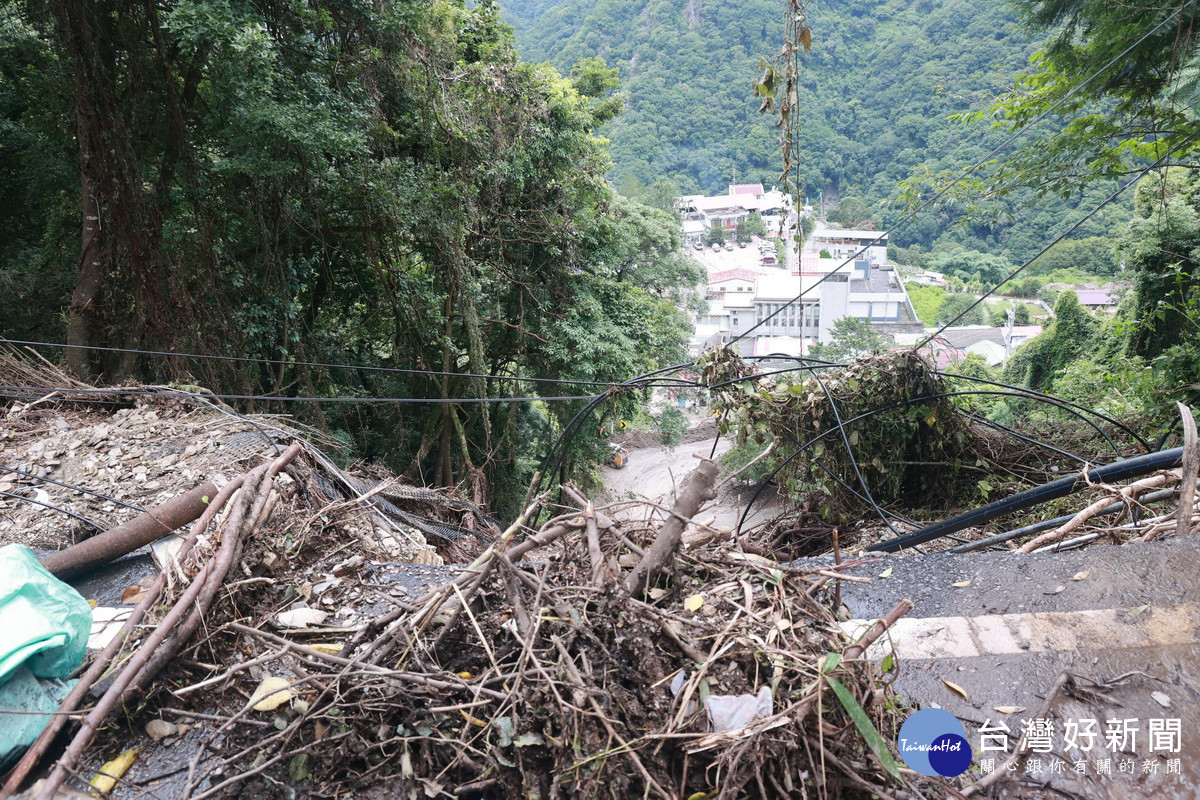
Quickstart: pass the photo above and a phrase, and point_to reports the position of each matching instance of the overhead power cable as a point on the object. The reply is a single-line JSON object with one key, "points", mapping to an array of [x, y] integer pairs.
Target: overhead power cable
{"points": [[1120, 189], [318, 364], [973, 168], [66, 390]]}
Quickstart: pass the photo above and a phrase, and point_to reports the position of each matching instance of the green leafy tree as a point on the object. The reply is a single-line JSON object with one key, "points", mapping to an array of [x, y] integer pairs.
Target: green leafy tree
{"points": [[850, 338], [852, 212], [384, 185], [1092, 255], [968, 265], [754, 226], [997, 314], [1039, 361], [926, 300], [953, 305]]}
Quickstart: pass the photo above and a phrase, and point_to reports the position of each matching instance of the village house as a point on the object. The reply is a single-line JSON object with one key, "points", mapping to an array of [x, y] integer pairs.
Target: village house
{"points": [[701, 213]]}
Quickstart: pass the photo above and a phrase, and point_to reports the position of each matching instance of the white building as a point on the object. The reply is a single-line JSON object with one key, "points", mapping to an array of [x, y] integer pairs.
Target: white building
{"points": [[737, 280], [842, 244], [995, 344], [700, 213], [805, 307]]}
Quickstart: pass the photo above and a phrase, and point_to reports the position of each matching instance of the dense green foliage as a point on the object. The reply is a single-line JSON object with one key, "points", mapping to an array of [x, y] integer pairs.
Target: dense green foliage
{"points": [[926, 301], [1124, 85], [373, 184], [877, 94], [851, 338], [909, 453], [1069, 336]]}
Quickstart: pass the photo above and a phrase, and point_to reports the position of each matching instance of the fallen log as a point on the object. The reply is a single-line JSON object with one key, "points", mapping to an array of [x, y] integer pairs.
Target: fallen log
{"points": [[129, 536], [697, 488]]}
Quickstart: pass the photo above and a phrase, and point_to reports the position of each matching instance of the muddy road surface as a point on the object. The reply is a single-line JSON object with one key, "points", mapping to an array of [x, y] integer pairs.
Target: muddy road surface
{"points": [[655, 472]]}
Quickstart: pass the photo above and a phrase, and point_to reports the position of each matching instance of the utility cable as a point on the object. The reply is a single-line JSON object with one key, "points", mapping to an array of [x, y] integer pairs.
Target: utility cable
{"points": [[1119, 470], [1074, 409], [72, 488], [52, 508], [1120, 189], [282, 399], [977, 165], [318, 364], [862, 482]]}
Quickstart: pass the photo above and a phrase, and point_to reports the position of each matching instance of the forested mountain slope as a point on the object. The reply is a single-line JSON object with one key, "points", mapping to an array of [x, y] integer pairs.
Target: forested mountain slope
{"points": [[878, 89]]}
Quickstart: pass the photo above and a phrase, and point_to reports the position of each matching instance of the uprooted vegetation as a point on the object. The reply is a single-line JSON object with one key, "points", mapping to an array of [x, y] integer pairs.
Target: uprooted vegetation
{"points": [[884, 428], [904, 439], [567, 660], [285, 650], [854, 444], [552, 679]]}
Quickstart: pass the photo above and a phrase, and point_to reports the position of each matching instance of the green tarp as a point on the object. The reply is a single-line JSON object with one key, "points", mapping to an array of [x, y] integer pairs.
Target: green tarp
{"points": [[44, 626]]}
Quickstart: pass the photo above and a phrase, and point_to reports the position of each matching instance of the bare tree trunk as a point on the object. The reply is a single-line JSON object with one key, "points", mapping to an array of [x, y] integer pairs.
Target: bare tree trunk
{"points": [[83, 313], [121, 228]]}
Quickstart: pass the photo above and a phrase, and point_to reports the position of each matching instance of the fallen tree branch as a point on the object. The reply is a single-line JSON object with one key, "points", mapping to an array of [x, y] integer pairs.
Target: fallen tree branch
{"points": [[143, 529], [697, 488], [1127, 493], [150, 652], [1022, 751], [878, 629], [100, 663], [1189, 470]]}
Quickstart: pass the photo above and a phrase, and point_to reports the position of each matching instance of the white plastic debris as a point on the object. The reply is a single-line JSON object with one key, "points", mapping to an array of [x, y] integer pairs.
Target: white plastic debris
{"points": [[729, 711], [301, 617]]}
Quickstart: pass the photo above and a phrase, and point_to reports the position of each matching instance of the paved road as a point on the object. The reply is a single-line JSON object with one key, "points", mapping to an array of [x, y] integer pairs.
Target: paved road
{"points": [[1124, 620], [654, 473]]}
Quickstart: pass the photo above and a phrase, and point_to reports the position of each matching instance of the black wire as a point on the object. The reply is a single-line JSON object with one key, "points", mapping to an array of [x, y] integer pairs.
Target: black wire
{"points": [[757, 375], [764, 482], [72, 488], [1170, 428], [87, 400], [53, 507], [1018, 391], [837, 416], [273, 398], [1041, 395], [244, 359], [1026, 438], [850, 488], [1120, 189], [967, 393]]}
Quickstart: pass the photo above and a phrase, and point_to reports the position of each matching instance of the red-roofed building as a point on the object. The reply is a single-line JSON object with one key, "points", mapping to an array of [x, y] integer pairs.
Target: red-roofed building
{"points": [[732, 281], [939, 352]]}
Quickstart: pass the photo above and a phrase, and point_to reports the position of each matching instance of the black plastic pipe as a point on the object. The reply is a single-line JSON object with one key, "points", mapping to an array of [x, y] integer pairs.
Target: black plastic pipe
{"points": [[1120, 470], [1038, 527]]}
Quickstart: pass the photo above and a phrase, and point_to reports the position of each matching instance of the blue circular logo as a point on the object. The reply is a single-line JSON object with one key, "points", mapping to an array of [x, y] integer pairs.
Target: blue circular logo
{"points": [[933, 742]]}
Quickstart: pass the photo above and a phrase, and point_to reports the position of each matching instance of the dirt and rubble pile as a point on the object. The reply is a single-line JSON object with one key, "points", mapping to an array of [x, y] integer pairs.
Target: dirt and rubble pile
{"points": [[546, 667]]}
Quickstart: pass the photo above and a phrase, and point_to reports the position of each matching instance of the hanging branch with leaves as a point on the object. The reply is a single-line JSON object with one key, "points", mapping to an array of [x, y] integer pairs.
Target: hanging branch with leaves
{"points": [[777, 88]]}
